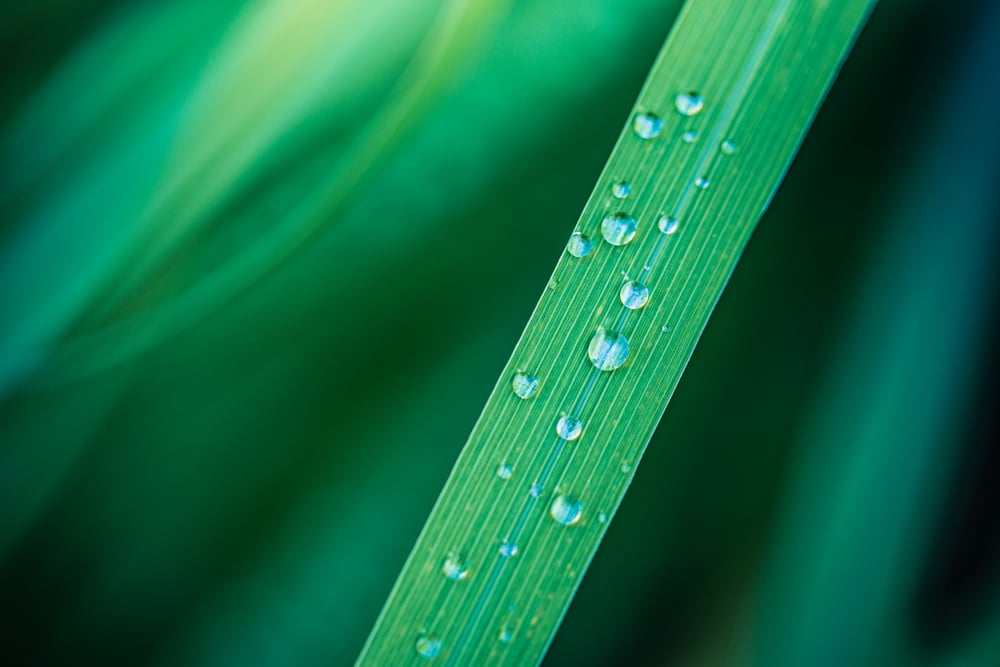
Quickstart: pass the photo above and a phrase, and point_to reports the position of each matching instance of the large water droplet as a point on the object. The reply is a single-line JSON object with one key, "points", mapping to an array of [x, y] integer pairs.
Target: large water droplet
{"points": [[634, 295], [504, 471], [455, 568], [618, 228], [566, 510], [647, 125], [524, 384], [728, 147], [667, 224], [569, 428], [689, 104], [607, 350], [621, 189], [579, 245], [508, 549], [428, 646]]}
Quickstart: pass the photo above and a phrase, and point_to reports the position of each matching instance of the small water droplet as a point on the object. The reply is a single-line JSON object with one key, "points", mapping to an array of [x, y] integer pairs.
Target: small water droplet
{"points": [[634, 295], [626, 467], [566, 510], [618, 228], [504, 471], [579, 245], [508, 549], [506, 635], [647, 125], [728, 147], [607, 350], [524, 385], [689, 137], [602, 517], [666, 328], [428, 646], [621, 189], [702, 182], [667, 224], [455, 568], [553, 283], [689, 104], [569, 428], [535, 490]]}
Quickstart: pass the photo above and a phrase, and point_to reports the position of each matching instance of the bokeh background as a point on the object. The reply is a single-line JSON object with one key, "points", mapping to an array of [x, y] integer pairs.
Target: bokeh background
{"points": [[261, 261]]}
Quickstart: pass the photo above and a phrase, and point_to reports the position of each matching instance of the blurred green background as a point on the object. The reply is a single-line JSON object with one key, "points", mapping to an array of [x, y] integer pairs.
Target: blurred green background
{"points": [[261, 261]]}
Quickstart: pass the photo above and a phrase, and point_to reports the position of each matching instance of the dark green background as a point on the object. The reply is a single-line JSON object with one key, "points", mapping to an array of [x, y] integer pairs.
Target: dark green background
{"points": [[206, 461]]}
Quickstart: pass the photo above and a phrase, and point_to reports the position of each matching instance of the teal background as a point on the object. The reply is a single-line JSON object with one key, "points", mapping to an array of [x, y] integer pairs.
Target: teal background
{"points": [[261, 261]]}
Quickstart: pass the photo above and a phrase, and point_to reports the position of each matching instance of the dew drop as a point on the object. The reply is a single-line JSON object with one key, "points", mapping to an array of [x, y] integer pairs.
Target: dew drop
{"points": [[667, 224], [634, 295], [689, 137], [504, 471], [665, 328], [455, 568], [566, 510], [702, 182], [618, 228], [506, 635], [428, 646], [689, 104], [607, 350], [728, 147], [525, 385], [535, 491], [626, 467], [621, 189], [579, 245], [569, 428], [602, 518], [508, 549], [647, 125]]}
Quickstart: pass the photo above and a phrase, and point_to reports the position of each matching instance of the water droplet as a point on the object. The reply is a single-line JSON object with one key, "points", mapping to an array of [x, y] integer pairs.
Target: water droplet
{"points": [[728, 147], [702, 182], [508, 549], [689, 137], [428, 646], [553, 283], [634, 295], [569, 428], [579, 245], [666, 328], [647, 125], [667, 224], [607, 350], [626, 467], [506, 635], [455, 568], [618, 228], [621, 190], [602, 517], [535, 490], [504, 471], [689, 104], [566, 510], [524, 384]]}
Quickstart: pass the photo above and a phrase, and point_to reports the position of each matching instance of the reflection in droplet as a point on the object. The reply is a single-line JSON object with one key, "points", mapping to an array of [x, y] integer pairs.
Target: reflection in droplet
{"points": [[524, 384], [579, 245], [607, 350], [428, 646], [508, 549], [621, 190], [618, 228], [569, 428], [504, 471], [647, 125], [566, 510], [634, 295], [689, 104], [667, 224], [455, 568]]}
